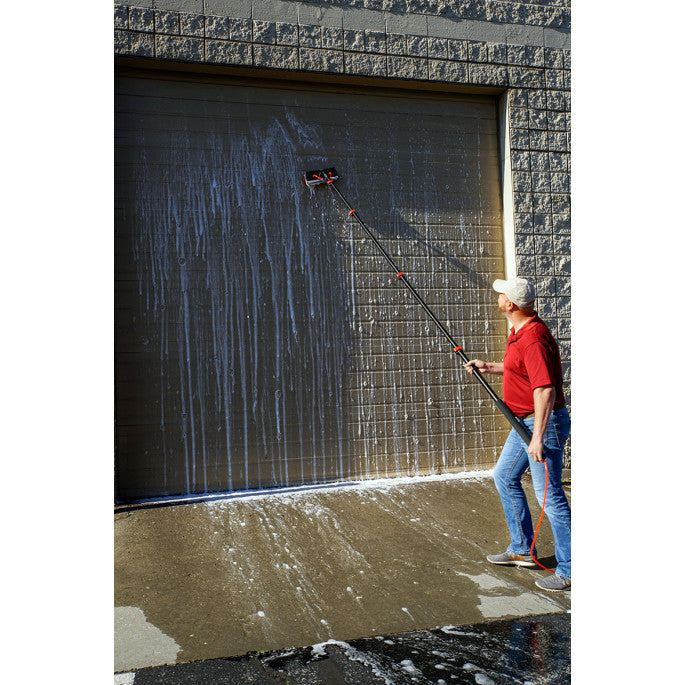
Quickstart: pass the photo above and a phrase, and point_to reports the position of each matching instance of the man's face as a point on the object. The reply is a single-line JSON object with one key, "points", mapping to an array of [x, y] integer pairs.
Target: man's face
{"points": [[503, 303]]}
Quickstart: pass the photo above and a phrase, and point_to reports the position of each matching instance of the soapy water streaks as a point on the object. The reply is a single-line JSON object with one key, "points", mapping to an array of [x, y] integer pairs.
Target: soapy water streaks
{"points": [[253, 289]]}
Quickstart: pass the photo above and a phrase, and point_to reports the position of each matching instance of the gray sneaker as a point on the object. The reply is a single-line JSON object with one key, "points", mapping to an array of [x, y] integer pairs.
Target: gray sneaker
{"points": [[554, 583], [510, 559]]}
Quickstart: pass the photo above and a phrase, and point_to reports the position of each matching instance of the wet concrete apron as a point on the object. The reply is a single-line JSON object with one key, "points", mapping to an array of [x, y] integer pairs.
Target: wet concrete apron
{"points": [[220, 579]]}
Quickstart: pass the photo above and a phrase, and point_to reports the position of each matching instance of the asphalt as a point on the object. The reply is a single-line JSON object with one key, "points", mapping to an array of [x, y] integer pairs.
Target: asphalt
{"points": [[199, 583], [532, 650]]}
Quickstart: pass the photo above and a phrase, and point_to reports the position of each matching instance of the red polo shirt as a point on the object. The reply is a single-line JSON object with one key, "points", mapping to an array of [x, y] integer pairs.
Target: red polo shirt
{"points": [[531, 360]]}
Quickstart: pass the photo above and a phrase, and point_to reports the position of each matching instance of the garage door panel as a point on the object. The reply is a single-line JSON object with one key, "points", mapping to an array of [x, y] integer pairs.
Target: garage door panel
{"points": [[260, 341]]}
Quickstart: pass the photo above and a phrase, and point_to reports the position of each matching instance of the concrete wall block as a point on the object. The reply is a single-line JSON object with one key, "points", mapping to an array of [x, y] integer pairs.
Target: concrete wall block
{"points": [[122, 42], [525, 244], [566, 54], [227, 52], [396, 44], [229, 8], [288, 34], [523, 222], [557, 161], [275, 56], [518, 117], [141, 44], [363, 64], [563, 267], [121, 17], [554, 58], [354, 40], [523, 202], [560, 182], [564, 308], [408, 67], [554, 79], [518, 97], [179, 48], [557, 141], [438, 48], [539, 161], [187, 6], [561, 204], [375, 42], [525, 265], [521, 182], [332, 38], [520, 161], [497, 53], [458, 49], [545, 286], [264, 32], [535, 56], [417, 46], [488, 75], [567, 79], [538, 140], [556, 121], [478, 51], [141, 19], [519, 139], [525, 77], [516, 55], [310, 36], [564, 329], [503, 12], [217, 27], [545, 308], [454, 72], [192, 25], [472, 9], [544, 244], [331, 61], [540, 182], [556, 100], [562, 285], [561, 223], [167, 23], [542, 223], [542, 203], [544, 265], [562, 245], [538, 119], [537, 99], [240, 29]]}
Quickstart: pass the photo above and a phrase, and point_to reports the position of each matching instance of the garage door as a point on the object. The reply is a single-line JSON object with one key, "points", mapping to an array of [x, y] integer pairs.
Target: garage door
{"points": [[260, 340]]}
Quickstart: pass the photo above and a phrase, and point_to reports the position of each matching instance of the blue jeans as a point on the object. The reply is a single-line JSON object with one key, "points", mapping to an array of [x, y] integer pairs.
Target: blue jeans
{"points": [[512, 464]]}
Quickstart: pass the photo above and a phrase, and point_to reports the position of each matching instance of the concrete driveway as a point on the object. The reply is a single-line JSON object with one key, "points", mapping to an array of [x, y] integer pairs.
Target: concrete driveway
{"points": [[260, 573]]}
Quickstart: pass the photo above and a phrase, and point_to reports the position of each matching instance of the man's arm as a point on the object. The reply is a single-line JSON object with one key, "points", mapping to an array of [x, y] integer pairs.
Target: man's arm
{"points": [[496, 368], [543, 398]]}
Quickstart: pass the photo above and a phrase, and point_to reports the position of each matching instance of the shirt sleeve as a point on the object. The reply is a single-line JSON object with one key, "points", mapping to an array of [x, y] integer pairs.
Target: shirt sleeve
{"points": [[538, 361]]}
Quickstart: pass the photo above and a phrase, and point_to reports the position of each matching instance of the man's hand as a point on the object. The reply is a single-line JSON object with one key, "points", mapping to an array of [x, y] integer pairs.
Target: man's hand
{"points": [[536, 449], [477, 364]]}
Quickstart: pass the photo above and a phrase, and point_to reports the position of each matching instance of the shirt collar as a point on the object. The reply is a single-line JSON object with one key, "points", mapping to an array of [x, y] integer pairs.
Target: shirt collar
{"points": [[520, 330]]}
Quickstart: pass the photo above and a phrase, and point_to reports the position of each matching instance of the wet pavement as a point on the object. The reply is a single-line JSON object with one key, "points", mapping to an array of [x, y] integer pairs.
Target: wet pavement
{"points": [[203, 581], [532, 650]]}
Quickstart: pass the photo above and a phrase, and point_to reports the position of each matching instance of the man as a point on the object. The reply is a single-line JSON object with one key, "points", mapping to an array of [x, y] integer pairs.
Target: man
{"points": [[532, 389]]}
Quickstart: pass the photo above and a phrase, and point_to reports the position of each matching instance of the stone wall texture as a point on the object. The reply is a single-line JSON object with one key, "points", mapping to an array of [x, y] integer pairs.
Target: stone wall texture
{"points": [[523, 47]]}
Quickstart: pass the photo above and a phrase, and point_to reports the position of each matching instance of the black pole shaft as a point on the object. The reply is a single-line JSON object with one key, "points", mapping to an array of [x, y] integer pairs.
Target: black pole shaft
{"points": [[508, 414]]}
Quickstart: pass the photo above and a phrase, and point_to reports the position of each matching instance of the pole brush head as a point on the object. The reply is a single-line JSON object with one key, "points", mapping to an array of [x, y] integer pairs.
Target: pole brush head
{"points": [[319, 176]]}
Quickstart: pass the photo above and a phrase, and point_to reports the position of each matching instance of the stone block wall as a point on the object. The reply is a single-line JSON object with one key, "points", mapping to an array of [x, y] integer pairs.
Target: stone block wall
{"points": [[521, 47]]}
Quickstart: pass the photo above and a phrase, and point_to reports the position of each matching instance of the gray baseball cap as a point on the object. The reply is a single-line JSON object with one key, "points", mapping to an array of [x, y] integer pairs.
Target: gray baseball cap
{"points": [[519, 290]]}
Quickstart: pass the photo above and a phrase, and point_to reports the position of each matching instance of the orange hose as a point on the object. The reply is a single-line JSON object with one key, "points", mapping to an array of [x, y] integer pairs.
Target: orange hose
{"points": [[542, 513]]}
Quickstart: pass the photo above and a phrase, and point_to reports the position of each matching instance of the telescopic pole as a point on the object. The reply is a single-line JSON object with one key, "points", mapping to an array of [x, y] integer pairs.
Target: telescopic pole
{"points": [[508, 414]]}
